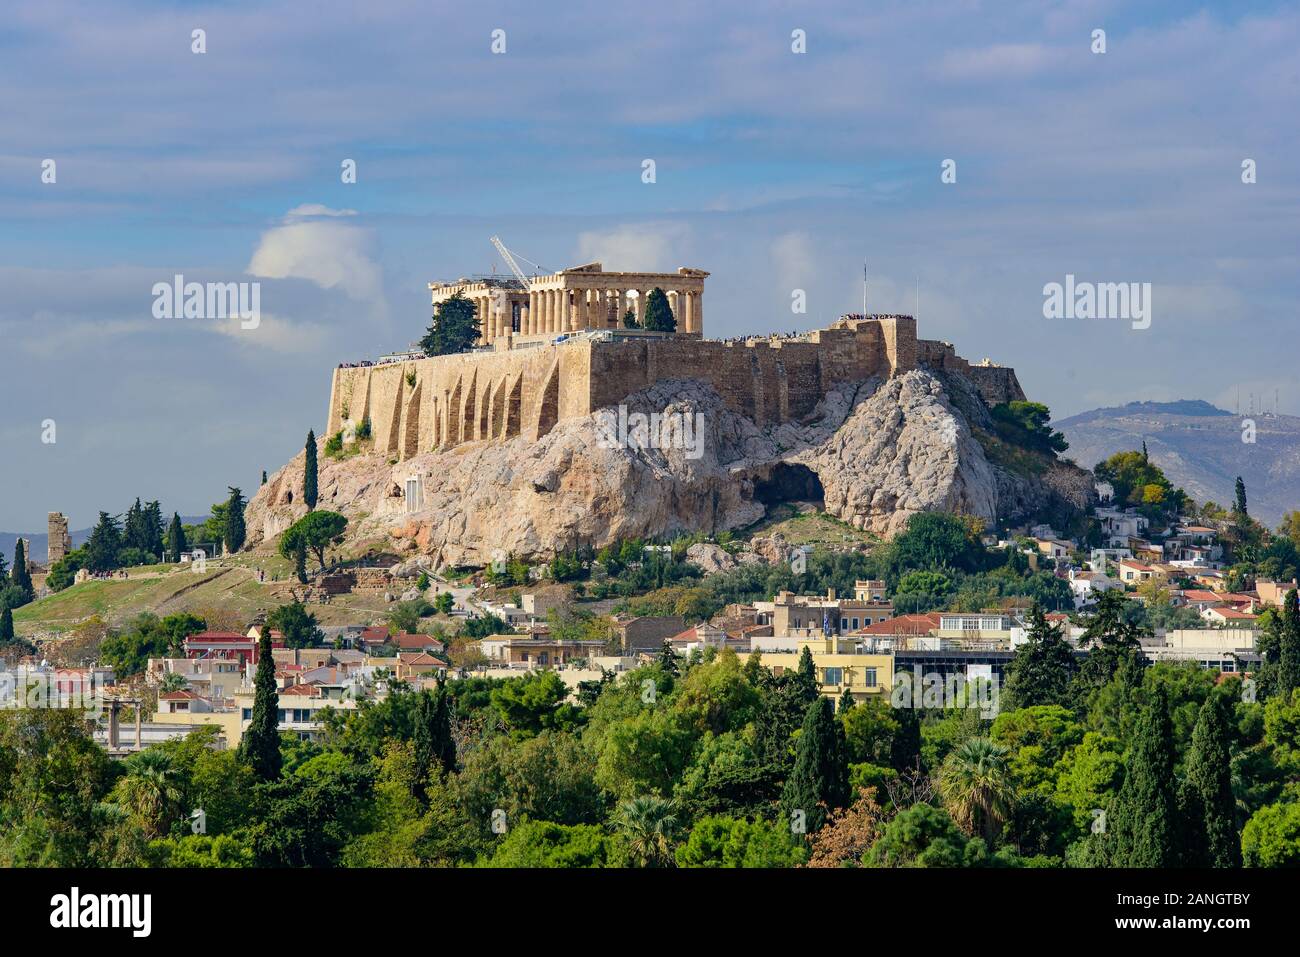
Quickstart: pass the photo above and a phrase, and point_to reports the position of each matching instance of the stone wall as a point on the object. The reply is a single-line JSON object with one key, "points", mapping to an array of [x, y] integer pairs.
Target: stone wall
{"points": [[445, 401]]}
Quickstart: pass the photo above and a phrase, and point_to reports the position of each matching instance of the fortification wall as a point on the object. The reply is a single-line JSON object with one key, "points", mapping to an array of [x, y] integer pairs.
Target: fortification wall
{"points": [[996, 384], [442, 401], [437, 403]]}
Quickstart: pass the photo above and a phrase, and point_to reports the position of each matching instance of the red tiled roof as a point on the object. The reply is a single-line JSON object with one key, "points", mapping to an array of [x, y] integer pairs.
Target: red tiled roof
{"points": [[184, 695], [902, 625]]}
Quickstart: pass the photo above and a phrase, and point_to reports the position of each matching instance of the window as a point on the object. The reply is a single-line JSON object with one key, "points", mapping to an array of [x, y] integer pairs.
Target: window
{"points": [[871, 677], [833, 676], [248, 714], [855, 624], [413, 494], [844, 624]]}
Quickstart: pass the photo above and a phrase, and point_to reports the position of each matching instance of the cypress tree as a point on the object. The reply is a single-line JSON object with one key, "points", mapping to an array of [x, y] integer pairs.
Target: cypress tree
{"points": [[133, 530], [1288, 663], [1210, 810], [658, 314], [905, 748], [1240, 506], [300, 562], [22, 577], [153, 527], [444, 743], [260, 746], [309, 472], [820, 779], [432, 740], [176, 544], [846, 701], [806, 685], [6, 626], [1145, 820], [235, 531]]}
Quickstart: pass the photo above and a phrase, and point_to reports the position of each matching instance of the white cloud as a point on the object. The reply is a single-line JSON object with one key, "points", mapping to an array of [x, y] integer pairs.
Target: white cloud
{"points": [[644, 247], [332, 255], [999, 61], [316, 209]]}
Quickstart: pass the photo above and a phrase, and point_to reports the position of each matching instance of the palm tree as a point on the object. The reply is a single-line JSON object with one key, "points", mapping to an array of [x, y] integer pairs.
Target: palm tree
{"points": [[976, 787], [150, 792], [173, 681], [650, 825]]}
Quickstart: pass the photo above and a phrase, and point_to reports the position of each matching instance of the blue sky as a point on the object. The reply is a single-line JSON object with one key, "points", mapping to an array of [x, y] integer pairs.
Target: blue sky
{"points": [[775, 171]]}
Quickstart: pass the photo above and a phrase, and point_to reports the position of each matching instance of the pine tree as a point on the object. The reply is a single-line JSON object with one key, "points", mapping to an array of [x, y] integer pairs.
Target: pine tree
{"points": [[1042, 669], [21, 575], [1288, 665], [1144, 824], [6, 626], [658, 315], [309, 473], [819, 782], [1209, 808], [260, 746], [176, 544], [104, 544], [235, 531], [455, 327]]}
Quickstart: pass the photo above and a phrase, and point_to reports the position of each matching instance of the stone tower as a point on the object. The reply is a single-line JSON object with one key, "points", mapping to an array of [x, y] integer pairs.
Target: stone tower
{"points": [[60, 542]]}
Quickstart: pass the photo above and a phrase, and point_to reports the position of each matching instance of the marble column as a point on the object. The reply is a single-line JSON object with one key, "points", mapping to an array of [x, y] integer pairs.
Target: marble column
{"points": [[526, 323], [580, 319]]}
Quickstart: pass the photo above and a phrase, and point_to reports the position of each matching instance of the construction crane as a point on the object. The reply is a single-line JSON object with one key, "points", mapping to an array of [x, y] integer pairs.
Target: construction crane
{"points": [[510, 261]]}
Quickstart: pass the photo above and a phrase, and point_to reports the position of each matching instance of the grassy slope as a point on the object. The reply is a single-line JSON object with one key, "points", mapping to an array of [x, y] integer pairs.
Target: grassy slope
{"points": [[229, 587]]}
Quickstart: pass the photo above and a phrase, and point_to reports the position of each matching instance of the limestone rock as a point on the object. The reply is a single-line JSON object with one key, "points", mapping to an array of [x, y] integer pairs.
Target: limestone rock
{"points": [[710, 558], [877, 451]]}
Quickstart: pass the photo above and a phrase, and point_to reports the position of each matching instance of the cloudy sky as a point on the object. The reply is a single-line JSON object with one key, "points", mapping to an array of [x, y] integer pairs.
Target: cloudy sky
{"points": [[775, 170]]}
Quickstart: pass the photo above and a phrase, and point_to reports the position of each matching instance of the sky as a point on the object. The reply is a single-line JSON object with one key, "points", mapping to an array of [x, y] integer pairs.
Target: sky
{"points": [[775, 170]]}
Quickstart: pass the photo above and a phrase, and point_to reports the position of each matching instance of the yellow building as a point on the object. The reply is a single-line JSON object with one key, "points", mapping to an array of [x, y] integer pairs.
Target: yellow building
{"points": [[839, 667]]}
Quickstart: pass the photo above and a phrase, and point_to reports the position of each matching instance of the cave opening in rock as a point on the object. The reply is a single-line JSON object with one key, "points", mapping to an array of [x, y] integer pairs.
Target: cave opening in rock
{"points": [[789, 483]]}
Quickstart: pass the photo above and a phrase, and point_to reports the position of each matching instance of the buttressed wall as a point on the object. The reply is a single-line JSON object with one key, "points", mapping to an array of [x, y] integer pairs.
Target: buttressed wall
{"points": [[436, 403]]}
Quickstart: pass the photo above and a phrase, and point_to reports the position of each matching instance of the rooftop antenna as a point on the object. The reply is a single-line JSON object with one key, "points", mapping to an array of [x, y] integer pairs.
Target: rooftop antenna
{"points": [[864, 289]]}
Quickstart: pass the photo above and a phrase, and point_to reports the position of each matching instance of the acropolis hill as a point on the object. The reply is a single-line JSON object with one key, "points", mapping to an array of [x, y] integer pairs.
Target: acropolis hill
{"points": [[556, 352], [502, 451]]}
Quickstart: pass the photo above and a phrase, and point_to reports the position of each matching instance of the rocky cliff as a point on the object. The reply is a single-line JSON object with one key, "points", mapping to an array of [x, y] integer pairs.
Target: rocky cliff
{"points": [[876, 452]]}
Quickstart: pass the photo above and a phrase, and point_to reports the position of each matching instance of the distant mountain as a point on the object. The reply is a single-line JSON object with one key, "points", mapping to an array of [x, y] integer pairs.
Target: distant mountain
{"points": [[1200, 448], [41, 545]]}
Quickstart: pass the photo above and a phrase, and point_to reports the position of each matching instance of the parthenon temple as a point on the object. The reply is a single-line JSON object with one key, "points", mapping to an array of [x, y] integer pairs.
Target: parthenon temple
{"points": [[572, 300]]}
